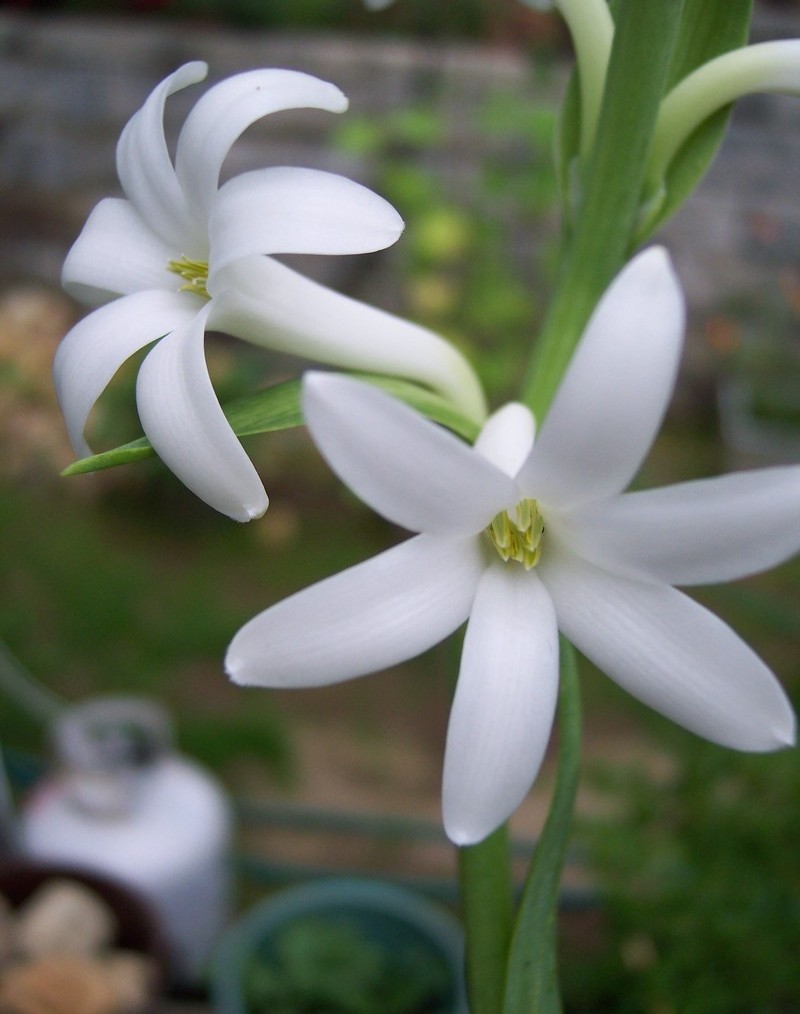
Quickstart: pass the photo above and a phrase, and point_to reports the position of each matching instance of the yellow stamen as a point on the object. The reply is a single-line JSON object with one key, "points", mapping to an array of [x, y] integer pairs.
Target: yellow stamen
{"points": [[194, 273], [519, 539]]}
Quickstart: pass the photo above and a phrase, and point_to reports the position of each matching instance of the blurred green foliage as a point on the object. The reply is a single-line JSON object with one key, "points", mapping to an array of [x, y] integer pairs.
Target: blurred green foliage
{"points": [[331, 965], [700, 882], [477, 255]]}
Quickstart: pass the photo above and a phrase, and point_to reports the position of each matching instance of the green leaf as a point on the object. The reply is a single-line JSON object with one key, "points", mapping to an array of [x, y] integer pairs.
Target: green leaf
{"points": [[708, 29], [278, 408], [125, 454], [531, 984], [427, 402]]}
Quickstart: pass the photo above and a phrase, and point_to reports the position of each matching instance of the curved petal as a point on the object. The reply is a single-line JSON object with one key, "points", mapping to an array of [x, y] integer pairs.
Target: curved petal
{"points": [[405, 467], [183, 421], [504, 704], [764, 67], [225, 111], [116, 254], [268, 304], [698, 532], [671, 653], [507, 437], [288, 210], [146, 172], [369, 617], [92, 351], [612, 399]]}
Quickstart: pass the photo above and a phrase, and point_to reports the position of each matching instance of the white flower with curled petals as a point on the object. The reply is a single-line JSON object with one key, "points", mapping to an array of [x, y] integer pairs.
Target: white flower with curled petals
{"points": [[523, 538], [181, 254]]}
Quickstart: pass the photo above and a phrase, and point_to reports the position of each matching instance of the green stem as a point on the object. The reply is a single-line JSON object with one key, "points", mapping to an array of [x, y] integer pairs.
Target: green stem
{"points": [[612, 186], [605, 222], [532, 983], [487, 902]]}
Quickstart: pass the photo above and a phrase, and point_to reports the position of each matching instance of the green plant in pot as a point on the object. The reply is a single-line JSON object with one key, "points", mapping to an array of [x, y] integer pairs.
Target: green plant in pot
{"points": [[341, 946]]}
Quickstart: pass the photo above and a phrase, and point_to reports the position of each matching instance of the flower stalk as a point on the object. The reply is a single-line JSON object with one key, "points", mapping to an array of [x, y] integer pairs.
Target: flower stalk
{"points": [[487, 909], [606, 216]]}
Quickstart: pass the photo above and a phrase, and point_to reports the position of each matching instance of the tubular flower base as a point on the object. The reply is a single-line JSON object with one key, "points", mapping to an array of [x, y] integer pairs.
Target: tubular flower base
{"points": [[181, 254], [523, 538]]}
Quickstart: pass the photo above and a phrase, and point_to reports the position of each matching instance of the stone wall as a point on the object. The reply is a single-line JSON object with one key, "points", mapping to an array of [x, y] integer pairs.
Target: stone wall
{"points": [[67, 84]]}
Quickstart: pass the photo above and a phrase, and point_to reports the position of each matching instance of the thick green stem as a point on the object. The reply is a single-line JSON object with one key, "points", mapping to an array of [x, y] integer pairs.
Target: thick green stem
{"points": [[612, 185], [532, 980], [487, 902]]}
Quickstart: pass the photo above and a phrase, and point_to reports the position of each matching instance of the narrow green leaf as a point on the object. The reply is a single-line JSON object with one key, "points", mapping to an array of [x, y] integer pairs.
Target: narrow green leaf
{"points": [[136, 450], [708, 29], [532, 983], [278, 408], [429, 404], [275, 408]]}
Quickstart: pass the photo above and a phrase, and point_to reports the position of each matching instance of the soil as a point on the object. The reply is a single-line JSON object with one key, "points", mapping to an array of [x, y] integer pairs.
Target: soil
{"points": [[373, 749]]}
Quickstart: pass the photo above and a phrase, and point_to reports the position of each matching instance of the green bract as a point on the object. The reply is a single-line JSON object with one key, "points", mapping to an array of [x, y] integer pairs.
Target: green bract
{"points": [[278, 408]]}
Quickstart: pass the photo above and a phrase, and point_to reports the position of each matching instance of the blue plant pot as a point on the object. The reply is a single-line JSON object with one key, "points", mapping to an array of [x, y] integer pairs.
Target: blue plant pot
{"points": [[384, 914]]}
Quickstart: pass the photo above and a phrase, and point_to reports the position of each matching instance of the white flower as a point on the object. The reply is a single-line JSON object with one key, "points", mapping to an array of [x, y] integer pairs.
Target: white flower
{"points": [[182, 254], [524, 538]]}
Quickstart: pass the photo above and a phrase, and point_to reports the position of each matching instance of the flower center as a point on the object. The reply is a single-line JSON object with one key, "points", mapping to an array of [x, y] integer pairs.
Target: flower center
{"points": [[519, 539], [194, 274]]}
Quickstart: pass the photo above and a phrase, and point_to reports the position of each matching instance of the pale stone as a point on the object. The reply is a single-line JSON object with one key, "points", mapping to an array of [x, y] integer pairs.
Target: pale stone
{"points": [[64, 917]]}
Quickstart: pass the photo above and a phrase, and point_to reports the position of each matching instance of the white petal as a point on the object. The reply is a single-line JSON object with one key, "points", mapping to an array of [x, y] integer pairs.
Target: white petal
{"points": [[696, 532], [507, 437], [765, 67], [671, 653], [268, 304], [183, 420], [614, 394], [146, 171], [405, 467], [505, 699], [92, 352], [306, 211], [370, 617], [220, 116], [116, 254]]}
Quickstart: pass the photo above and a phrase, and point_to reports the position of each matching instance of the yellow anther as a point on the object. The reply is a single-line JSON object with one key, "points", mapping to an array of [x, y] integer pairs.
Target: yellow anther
{"points": [[194, 274], [519, 539]]}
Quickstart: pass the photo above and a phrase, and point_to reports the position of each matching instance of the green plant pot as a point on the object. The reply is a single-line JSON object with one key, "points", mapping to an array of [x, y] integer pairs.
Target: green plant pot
{"points": [[373, 923]]}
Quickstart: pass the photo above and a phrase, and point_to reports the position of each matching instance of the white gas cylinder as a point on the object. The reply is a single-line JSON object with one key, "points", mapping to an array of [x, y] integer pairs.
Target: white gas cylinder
{"points": [[122, 802]]}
